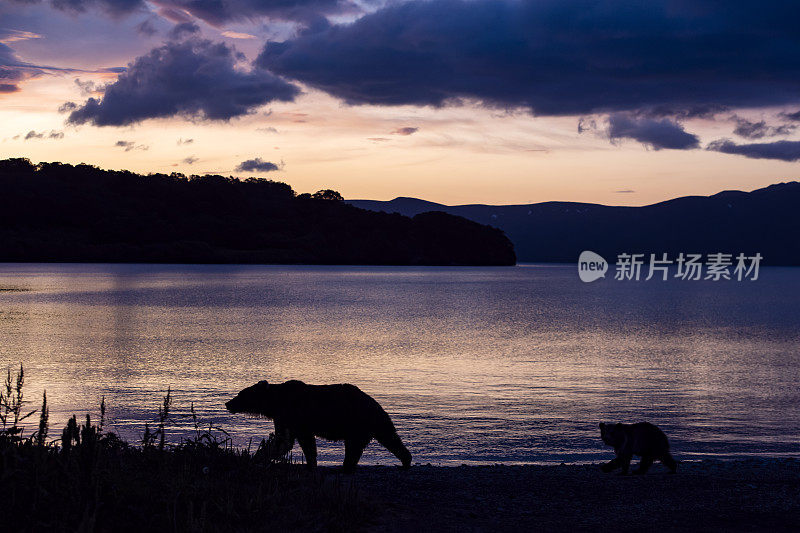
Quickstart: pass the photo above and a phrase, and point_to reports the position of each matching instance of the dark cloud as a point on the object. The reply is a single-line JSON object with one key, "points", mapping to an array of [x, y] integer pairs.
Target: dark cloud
{"points": [[14, 71], [193, 78], [792, 116], [758, 130], [655, 133], [780, 150], [554, 57], [191, 160], [218, 12], [130, 145], [586, 124], [146, 28], [183, 30], [256, 165], [55, 135], [682, 111], [408, 130], [66, 107], [185, 141], [113, 7], [175, 15], [625, 191], [86, 87]]}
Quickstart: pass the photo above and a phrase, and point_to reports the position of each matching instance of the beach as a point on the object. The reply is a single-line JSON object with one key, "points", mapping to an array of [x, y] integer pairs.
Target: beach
{"points": [[710, 495]]}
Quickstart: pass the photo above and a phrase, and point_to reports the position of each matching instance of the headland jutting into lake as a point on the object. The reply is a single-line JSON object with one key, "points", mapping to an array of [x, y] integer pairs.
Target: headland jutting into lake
{"points": [[54, 212]]}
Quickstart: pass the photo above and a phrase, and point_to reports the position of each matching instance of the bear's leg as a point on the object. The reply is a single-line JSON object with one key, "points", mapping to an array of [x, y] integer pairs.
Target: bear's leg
{"points": [[393, 443], [308, 443], [625, 463], [668, 461], [647, 461], [353, 448], [610, 466], [284, 441]]}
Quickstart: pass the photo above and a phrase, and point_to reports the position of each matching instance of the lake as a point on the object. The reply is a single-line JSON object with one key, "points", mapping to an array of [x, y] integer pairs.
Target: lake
{"points": [[475, 365]]}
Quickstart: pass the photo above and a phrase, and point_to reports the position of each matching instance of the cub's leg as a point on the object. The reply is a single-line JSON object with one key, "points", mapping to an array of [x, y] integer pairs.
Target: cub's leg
{"points": [[308, 443], [610, 466], [353, 448], [393, 443], [647, 462], [668, 461]]}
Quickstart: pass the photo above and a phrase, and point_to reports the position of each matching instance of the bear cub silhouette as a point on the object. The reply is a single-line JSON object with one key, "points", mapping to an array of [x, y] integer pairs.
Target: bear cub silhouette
{"points": [[332, 412], [642, 439]]}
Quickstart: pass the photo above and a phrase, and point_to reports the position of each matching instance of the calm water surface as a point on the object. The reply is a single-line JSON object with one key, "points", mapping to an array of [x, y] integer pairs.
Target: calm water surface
{"points": [[475, 365]]}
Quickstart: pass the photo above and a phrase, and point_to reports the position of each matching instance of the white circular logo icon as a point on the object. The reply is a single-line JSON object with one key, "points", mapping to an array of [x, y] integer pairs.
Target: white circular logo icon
{"points": [[591, 266]]}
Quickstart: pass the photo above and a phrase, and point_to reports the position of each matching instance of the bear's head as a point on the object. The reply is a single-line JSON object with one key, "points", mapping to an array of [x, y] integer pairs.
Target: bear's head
{"points": [[256, 400], [612, 434]]}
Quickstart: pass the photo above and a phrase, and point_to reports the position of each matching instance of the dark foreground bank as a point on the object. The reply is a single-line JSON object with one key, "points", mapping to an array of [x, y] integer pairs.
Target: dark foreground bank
{"points": [[751, 495], [84, 478], [201, 486]]}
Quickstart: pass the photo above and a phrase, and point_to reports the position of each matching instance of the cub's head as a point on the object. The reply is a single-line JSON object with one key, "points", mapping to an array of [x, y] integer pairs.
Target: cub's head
{"points": [[256, 400], [612, 434]]}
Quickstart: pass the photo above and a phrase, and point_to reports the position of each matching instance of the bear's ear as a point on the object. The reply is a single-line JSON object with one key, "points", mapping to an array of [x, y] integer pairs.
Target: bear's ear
{"points": [[263, 383], [602, 425]]}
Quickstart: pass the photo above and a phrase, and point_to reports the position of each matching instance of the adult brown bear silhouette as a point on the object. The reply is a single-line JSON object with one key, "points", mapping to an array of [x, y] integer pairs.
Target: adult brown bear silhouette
{"points": [[332, 412], [642, 439]]}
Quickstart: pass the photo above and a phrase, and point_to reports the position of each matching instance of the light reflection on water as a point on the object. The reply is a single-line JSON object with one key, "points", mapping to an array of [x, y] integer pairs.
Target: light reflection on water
{"points": [[474, 364]]}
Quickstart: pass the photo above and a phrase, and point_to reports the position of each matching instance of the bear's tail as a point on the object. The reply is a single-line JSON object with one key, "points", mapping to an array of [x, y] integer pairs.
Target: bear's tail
{"points": [[391, 441]]}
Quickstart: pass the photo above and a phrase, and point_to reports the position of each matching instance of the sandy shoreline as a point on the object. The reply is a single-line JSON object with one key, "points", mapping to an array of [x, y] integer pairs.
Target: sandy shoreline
{"points": [[741, 495]]}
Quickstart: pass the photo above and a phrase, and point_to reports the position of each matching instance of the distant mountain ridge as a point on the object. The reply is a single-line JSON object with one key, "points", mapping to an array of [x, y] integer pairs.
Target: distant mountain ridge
{"points": [[765, 220]]}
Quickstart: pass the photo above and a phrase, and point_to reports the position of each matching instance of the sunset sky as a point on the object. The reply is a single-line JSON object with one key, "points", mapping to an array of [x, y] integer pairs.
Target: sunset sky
{"points": [[483, 101]]}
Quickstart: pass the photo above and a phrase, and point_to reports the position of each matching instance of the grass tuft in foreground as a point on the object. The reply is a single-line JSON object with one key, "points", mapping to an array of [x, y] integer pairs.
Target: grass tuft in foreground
{"points": [[91, 480]]}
